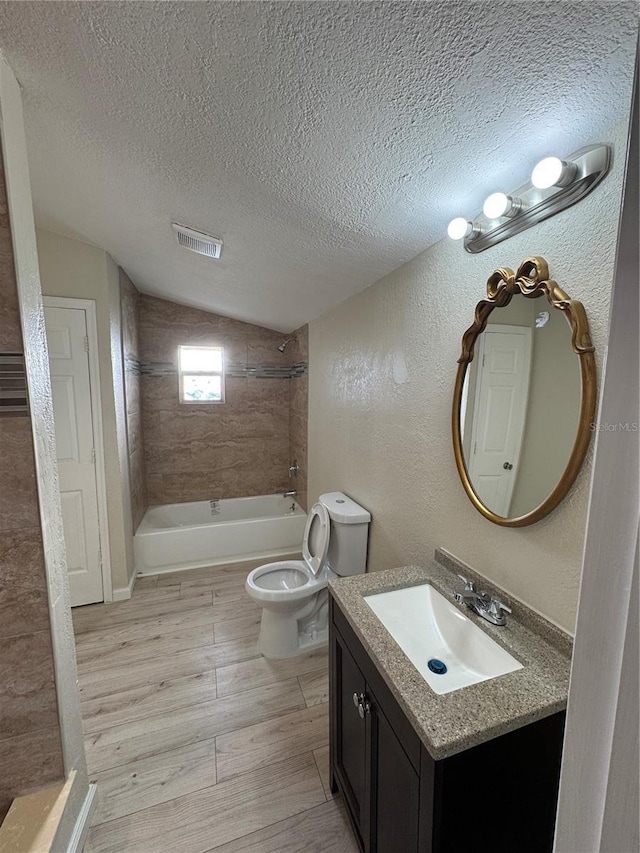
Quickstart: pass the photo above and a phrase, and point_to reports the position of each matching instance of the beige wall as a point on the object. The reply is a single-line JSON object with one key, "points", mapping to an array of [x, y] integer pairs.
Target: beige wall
{"points": [[30, 738], [553, 410], [73, 269], [122, 513], [381, 373]]}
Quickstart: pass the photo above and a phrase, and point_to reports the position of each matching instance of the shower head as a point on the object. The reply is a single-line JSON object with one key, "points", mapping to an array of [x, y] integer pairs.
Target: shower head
{"points": [[283, 346]]}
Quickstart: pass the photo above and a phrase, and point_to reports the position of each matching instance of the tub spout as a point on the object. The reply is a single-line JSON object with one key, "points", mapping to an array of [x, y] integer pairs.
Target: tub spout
{"points": [[289, 494]]}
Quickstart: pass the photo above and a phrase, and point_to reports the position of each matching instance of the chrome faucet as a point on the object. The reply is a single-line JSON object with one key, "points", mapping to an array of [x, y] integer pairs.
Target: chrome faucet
{"points": [[489, 608], [289, 494], [294, 469]]}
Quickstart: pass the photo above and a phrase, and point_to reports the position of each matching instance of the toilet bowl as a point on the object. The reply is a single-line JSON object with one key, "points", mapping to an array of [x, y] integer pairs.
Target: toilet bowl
{"points": [[293, 593]]}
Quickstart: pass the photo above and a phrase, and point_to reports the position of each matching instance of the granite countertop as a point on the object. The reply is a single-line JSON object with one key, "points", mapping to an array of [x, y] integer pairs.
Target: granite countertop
{"points": [[455, 721]]}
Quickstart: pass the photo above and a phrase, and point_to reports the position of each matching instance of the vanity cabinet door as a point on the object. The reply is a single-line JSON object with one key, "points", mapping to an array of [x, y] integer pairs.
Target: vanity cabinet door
{"points": [[395, 789], [375, 753], [349, 736]]}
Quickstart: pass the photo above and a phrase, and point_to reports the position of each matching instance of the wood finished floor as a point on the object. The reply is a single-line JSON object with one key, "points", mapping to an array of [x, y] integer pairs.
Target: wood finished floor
{"points": [[198, 743]]}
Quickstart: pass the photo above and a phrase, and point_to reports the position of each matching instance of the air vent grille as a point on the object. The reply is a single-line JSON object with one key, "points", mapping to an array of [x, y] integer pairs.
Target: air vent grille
{"points": [[196, 241]]}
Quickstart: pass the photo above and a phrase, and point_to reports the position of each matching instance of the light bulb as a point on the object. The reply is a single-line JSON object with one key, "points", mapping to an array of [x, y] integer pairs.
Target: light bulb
{"points": [[552, 172], [459, 228], [500, 204], [497, 205]]}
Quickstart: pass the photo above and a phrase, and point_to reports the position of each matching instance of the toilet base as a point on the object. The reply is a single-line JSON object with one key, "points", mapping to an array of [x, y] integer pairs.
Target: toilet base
{"points": [[305, 644], [288, 635]]}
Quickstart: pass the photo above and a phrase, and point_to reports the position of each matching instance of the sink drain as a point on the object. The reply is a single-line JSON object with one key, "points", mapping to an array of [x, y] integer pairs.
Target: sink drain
{"points": [[437, 666]]}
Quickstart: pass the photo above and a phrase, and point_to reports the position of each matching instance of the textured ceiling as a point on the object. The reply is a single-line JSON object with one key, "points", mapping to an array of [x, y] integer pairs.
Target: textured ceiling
{"points": [[325, 142]]}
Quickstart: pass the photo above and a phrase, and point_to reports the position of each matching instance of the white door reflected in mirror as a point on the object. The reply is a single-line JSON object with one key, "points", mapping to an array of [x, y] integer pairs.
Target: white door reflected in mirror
{"points": [[520, 407], [498, 407]]}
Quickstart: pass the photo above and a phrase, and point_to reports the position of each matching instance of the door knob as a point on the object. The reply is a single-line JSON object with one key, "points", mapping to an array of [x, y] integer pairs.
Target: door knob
{"points": [[507, 466]]}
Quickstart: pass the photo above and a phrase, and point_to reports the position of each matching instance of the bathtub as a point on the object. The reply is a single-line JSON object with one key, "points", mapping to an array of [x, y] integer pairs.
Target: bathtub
{"points": [[207, 533]]}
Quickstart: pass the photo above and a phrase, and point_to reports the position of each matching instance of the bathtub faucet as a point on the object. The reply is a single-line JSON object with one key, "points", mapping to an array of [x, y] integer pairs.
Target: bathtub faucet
{"points": [[289, 494]]}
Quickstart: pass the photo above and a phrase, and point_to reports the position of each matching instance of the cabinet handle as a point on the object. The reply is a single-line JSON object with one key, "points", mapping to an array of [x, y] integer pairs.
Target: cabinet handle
{"points": [[362, 704]]}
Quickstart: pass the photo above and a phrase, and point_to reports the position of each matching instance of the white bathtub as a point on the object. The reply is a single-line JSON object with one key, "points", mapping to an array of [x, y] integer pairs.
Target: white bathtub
{"points": [[190, 535]]}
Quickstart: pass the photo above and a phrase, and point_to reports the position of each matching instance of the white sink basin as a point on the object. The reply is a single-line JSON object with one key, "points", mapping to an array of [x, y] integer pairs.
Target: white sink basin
{"points": [[426, 627]]}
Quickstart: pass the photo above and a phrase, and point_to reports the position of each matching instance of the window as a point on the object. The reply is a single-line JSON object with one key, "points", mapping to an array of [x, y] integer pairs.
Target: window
{"points": [[201, 372]]}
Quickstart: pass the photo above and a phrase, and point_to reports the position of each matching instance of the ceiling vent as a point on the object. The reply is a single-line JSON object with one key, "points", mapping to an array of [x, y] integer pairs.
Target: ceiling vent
{"points": [[196, 241]]}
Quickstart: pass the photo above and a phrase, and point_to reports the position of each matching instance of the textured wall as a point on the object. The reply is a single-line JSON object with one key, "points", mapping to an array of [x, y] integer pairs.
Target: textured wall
{"points": [[298, 413], [382, 369], [130, 302], [201, 452], [30, 745]]}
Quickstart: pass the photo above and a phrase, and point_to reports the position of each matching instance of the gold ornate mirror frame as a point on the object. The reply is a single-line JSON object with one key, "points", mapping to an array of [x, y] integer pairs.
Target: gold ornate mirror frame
{"points": [[532, 281]]}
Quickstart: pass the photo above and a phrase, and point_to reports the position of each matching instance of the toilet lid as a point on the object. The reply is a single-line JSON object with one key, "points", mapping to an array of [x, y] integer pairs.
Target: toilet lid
{"points": [[316, 538]]}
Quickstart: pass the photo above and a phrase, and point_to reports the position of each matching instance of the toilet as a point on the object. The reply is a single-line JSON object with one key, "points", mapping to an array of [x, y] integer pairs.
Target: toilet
{"points": [[293, 593]]}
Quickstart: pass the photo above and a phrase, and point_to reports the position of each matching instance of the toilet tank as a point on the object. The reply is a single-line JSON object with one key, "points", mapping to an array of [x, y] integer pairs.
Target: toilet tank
{"points": [[349, 534]]}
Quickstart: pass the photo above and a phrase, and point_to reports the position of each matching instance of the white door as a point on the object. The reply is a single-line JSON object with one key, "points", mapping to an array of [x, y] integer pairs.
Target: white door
{"points": [[71, 387], [500, 408]]}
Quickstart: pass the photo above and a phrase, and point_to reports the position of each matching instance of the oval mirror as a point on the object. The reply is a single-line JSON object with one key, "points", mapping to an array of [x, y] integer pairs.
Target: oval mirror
{"points": [[525, 396]]}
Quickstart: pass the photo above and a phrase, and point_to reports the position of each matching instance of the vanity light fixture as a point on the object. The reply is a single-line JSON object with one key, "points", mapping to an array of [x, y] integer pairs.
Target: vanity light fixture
{"points": [[555, 185]]}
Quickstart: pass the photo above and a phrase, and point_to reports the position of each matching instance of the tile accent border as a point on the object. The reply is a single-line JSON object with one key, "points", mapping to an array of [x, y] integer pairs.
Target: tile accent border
{"points": [[235, 370]]}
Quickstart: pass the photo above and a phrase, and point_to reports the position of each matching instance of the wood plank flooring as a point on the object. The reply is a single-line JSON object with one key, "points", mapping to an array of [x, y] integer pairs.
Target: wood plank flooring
{"points": [[196, 741]]}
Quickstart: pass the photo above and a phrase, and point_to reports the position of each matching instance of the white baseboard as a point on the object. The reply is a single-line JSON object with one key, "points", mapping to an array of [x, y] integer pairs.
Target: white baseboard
{"points": [[122, 593], [83, 823]]}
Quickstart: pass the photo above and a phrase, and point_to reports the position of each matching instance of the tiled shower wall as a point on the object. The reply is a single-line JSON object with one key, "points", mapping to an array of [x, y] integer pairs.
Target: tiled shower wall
{"points": [[30, 746], [130, 309], [207, 451]]}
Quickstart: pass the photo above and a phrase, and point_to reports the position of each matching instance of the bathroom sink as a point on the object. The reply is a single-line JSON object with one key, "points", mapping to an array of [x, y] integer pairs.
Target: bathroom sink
{"points": [[431, 630]]}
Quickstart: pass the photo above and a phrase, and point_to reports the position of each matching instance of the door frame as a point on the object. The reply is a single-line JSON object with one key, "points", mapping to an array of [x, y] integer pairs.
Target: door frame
{"points": [[603, 700], [89, 308], [76, 813]]}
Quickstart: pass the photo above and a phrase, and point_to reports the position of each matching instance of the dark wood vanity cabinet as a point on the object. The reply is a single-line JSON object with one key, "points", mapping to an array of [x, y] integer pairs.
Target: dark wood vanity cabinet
{"points": [[499, 796]]}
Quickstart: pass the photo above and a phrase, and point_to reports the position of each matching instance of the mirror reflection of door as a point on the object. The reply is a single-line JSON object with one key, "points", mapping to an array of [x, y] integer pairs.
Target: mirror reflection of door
{"points": [[521, 408], [499, 410]]}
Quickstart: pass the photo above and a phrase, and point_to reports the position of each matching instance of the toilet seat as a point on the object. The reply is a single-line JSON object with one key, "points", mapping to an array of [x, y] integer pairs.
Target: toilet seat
{"points": [[315, 561], [294, 580], [269, 582]]}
